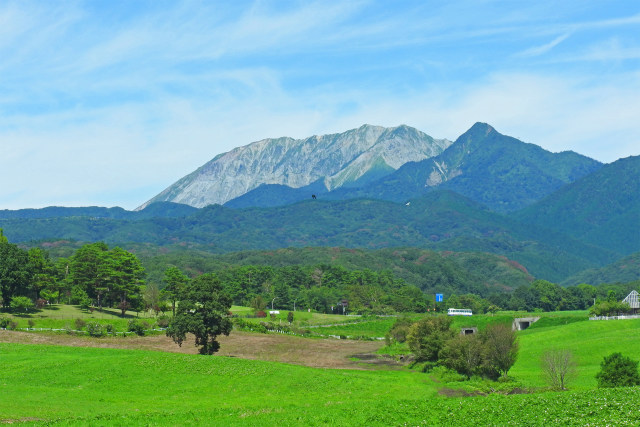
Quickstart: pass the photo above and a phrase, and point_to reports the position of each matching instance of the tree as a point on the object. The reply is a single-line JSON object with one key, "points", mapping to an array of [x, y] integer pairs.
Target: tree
{"points": [[501, 346], [175, 281], [152, 298], [558, 367], [14, 272], [124, 275], [203, 311], [21, 304], [427, 337], [290, 317], [464, 354], [617, 370]]}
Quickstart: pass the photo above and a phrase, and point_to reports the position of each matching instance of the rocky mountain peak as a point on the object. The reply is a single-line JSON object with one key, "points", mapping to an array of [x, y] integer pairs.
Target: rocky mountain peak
{"points": [[335, 159]]}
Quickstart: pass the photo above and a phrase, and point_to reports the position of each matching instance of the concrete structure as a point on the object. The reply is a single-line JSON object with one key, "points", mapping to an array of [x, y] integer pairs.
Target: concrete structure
{"points": [[522, 323]]}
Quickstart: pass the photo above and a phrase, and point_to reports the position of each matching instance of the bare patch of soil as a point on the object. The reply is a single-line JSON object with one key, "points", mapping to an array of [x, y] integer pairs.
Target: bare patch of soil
{"points": [[319, 353]]}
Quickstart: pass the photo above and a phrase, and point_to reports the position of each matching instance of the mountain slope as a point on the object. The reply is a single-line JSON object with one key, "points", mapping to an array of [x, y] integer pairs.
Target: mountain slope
{"points": [[602, 208], [336, 160], [440, 220], [499, 171], [624, 270]]}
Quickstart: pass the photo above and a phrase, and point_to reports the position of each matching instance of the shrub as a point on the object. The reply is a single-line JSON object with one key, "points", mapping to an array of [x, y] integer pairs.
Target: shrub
{"points": [[13, 325], [4, 322], [558, 367], [21, 304], [399, 331], [80, 324], [31, 323], [163, 321], [427, 337], [261, 313], [137, 327], [109, 327], [617, 370], [95, 329], [40, 302]]}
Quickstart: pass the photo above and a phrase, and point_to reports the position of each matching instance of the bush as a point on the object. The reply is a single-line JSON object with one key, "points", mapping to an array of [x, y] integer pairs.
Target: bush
{"points": [[109, 327], [617, 370], [31, 323], [13, 325], [427, 337], [4, 322], [96, 329], [137, 327], [21, 304], [163, 321], [80, 324], [261, 313], [399, 331]]}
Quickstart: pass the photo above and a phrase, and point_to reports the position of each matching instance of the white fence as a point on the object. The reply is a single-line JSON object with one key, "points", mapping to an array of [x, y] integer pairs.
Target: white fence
{"points": [[622, 317]]}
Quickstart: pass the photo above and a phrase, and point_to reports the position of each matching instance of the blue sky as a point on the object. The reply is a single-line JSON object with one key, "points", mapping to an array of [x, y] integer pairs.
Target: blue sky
{"points": [[109, 102]]}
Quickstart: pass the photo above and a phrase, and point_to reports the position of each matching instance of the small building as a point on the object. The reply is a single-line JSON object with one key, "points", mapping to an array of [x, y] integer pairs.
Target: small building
{"points": [[633, 299]]}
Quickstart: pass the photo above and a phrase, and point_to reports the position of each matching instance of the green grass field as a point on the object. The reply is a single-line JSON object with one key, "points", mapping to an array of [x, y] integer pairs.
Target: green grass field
{"points": [[57, 385]]}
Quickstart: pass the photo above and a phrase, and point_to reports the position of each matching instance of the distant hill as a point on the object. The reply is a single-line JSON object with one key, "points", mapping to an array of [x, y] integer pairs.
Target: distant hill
{"points": [[602, 208], [338, 160], [624, 270], [155, 210], [440, 220], [501, 172]]}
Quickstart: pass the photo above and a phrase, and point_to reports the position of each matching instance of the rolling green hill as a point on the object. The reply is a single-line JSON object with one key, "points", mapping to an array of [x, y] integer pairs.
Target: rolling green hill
{"points": [[602, 208], [440, 220]]}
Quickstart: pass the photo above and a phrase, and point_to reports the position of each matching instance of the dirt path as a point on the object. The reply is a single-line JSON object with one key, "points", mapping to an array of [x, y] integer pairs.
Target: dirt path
{"points": [[319, 353]]}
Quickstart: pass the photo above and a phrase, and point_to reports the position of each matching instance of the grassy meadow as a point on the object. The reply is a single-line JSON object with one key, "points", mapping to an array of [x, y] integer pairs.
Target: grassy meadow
{"points": [[60, 385]]}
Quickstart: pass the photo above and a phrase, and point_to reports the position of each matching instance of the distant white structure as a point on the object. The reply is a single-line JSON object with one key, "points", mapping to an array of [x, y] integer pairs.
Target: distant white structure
{"points": [[633, 299], [459, 312]]}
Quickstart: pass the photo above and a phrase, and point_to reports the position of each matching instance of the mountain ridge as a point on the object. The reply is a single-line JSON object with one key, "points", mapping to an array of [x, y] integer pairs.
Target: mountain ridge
{"points": [[336, 159]]}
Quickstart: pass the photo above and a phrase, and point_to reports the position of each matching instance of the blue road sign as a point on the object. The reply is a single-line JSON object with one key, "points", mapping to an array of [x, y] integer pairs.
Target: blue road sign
{"points": [[439, 298]]}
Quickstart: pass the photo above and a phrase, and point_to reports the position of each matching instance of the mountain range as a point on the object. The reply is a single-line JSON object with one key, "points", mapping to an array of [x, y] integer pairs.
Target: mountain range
{"points": [[326, 162], [555, 214]]}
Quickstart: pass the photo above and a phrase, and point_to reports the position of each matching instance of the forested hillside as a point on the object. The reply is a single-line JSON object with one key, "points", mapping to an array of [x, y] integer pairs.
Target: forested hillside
{"points": [[440, 220]]}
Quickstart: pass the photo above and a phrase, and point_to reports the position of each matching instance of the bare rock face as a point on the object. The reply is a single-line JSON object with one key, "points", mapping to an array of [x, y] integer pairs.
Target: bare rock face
{"points": [[337, 160]]}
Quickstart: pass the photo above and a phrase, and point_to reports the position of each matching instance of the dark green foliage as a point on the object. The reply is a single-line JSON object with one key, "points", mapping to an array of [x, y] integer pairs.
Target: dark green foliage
{"points": [[439, 220], [80, 323], [202, 311], [601, 208], [290, 317], [21, 305], [399, 331], [14, 272], [137, 327], [428, 336], [624, 270], [501, 346], [617, 370], [96, 329], [4, 322], [163, 321], [465, 354], [609, 308]]}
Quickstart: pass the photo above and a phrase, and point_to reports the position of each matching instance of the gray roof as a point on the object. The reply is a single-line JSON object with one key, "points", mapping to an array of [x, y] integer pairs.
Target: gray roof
{"points": [[633, 299]]}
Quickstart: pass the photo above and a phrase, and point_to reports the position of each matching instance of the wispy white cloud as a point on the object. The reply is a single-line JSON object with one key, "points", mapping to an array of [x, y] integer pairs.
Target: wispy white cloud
{"points": [[540, 50], [109, 105]]}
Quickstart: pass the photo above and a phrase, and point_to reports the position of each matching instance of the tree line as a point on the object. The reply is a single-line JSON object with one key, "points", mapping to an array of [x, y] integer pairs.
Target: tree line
{"points": [[94, 276]]}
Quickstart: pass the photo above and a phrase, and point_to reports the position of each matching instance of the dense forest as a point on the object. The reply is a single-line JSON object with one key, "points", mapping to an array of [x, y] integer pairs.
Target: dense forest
{"points": [[330, 280]]}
